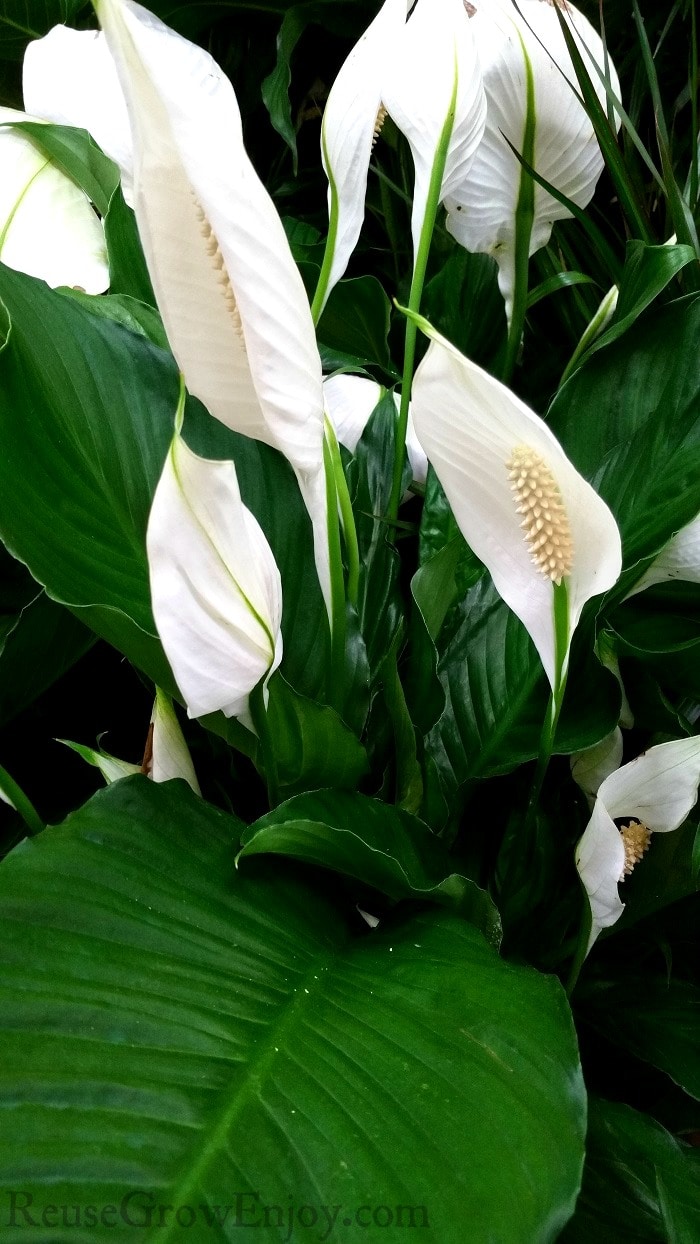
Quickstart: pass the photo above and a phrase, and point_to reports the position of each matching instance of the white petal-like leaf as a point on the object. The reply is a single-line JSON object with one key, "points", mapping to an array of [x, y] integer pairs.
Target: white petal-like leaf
{"points": [[481, 212], [47, 225], [215, 585], [470, 424], [600, 859], [430, 69], [351, 400], [232, 300], [170, 757], [659, 788], [348, 130], [69, 77], [680, 559]]}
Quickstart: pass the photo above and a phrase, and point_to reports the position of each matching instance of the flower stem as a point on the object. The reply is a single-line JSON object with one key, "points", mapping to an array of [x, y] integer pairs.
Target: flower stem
{"points": [[347, 517], [337, 665], [21, 804], [258, 713], [561, 641], [524, 217], [415, 295], [324, 277]]}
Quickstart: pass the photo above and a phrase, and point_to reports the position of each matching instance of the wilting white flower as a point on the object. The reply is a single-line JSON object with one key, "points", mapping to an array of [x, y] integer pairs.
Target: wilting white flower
{"points": [[678, 560], [167, 755], [215, 585], [652, 794], [69, 77], [231, 297], [515, 46], [351, 401], [424, 73], [518, 500], [48, 227], [589, 768]]}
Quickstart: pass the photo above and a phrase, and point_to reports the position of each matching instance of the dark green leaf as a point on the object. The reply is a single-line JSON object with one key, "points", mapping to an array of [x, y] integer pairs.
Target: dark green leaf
{"points": [[312, 746], [208, 1035], [647, 272], [22, 20], [464, 303], [376, 844], [356, 322], [78, 156]]}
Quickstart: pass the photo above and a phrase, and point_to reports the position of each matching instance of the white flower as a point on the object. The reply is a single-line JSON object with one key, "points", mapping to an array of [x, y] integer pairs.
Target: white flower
{"points": [[513, 48], [48, 227], [539, 527], [679, 559], [424, 73], [232, 300], [215, 585], [350, 402], [652, 794], [69, 77]]}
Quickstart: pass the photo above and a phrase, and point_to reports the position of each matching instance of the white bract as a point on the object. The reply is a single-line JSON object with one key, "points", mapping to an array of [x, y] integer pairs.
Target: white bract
{"points": [[424, 73], [69, 77], [232, 300], [215, 585], [514, 46], [351, 401], [48, 227], [679, 559], [652, 794], [521, 505]]}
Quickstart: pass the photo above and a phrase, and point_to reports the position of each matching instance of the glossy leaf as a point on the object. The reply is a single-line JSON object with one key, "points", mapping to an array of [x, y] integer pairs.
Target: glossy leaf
{"points": [[242, 1020], [313, 746], [356, 321]]}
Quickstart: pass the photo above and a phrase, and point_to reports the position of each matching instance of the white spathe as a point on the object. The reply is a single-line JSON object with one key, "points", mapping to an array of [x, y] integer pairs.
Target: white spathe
{"points": [[351, 401], [231, 297], [69, 77], [48, 227], [170, 755], [215, 585], [469, 425], [481, 211], [414, 69], [658, 789], [678, 560]]}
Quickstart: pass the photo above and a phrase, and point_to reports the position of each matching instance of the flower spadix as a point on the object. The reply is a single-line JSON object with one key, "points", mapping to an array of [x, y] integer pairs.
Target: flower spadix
{"points": [[47, 225], [652, 794], [423, 73], [215, 585], [69, 77], [232, 300], [522, 51], [545, 535]]}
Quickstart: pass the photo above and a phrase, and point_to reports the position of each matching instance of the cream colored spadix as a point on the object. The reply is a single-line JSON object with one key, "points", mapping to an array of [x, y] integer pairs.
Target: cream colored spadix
{"points": [[215, 585], [232, 301], [69, 77], [481, 211], [424, 73], [652, 794], [47, 225], [518, 500]]}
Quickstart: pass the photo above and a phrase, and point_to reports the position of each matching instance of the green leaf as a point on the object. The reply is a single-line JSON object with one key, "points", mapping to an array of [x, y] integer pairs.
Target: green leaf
{"points": [[647, 272], [128, 273], [312, 745], [22, 20], [639, 1183], [137, 316], [215, 1037], [376, 844], [78, 156], [651, 1017], [464, 303], [45, 641], [275, 88], [355, 322], [629, 419]]}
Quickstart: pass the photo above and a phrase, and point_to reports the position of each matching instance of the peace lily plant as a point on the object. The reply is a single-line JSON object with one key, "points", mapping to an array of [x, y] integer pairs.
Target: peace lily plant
{"points": [[337, 536]]}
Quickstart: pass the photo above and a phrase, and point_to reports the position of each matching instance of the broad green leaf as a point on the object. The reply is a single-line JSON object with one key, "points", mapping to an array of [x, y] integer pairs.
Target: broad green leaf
{"points": [[22, 20], [312, 745], [647, 272], [275, 88], [78, 156], [356, 322], [639, 1182], [376, 844], [45, 641], [652, 1017], [137, 316], [629, 419], [217, 1037], [464, 303]]}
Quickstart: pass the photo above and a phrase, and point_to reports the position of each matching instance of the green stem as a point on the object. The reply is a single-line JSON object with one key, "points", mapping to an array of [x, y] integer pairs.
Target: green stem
{"points": [[337, 667], [324, 277], [524, 218], [19, 801], [258, 713], [560, 607], [415, 295], [347, 517]]}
